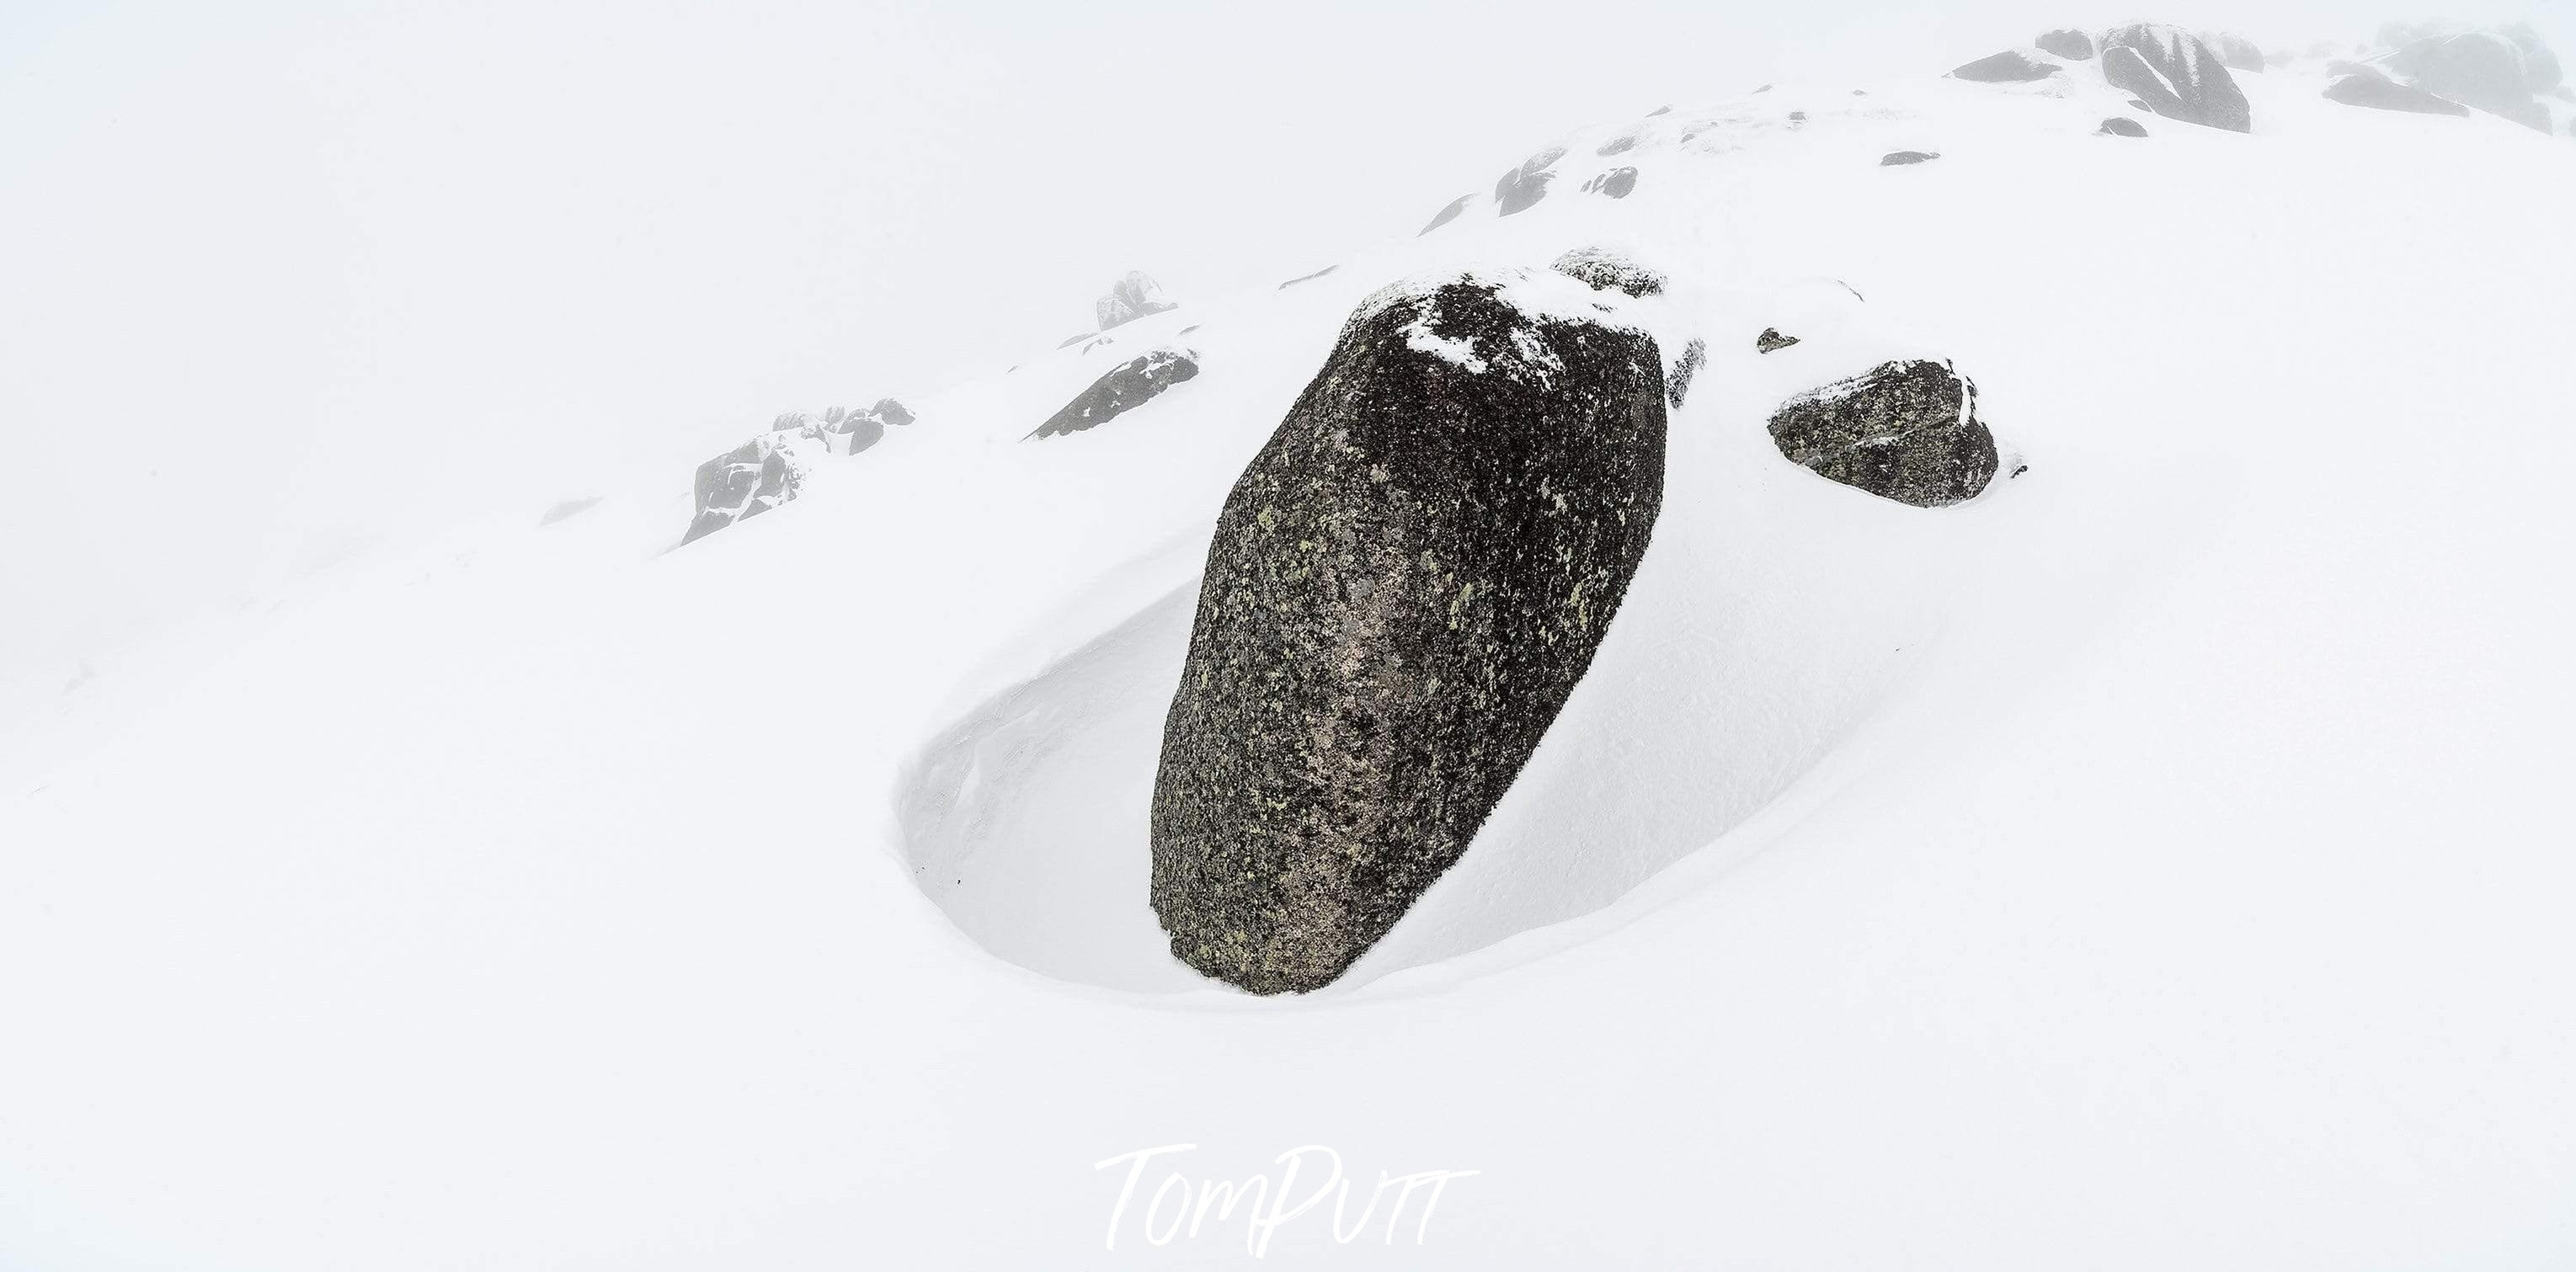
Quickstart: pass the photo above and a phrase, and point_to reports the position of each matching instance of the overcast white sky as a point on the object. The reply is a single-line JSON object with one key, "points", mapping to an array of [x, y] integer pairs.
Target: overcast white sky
{"points": [[278, 280]]}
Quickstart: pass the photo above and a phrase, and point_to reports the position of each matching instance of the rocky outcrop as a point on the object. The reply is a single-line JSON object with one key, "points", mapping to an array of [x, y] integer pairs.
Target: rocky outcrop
{"points": [[2066, 42], [2175, 75], [2541, 72], [2368, 87], [1127, 386], [2012, 66], [1447, 214], [1599, 267], [1906, 431], [1404, 587], [771, 469], [1521, 188], [1617, 183], [1901, 158], [1132, 297], [1771, 341], [2234, 51], [2123, 126]]}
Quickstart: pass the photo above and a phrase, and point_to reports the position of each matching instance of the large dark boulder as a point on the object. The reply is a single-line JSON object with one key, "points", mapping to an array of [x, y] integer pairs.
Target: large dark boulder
{"points": [[1404, 587], [2367, 87], [1906, 431], [2012, 66], [1127, 386], [1522, 187], [2066, 42], [2175, 75]]}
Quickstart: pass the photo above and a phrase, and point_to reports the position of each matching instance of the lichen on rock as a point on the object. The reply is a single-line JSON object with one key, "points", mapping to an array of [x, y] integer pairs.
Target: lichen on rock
{"points": [[1404, 586], [1906, 430]]}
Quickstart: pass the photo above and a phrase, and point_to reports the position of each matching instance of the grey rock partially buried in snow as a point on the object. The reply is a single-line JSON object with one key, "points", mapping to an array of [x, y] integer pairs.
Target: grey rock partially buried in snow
{"points": [[1127, 386], [2066, 42], [2175, 75], [1906, 431], [2012, 66], [1404, 587], [1602, 268], [770, 470], [1133, 296], [2368, 87], [1522, 187]]}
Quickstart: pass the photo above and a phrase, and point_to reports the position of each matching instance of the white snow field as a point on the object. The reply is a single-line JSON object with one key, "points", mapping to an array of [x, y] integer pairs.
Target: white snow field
{"points": [[2160, 861]]}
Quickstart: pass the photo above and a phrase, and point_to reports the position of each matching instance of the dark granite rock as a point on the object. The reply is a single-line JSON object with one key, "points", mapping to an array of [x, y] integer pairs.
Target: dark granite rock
{"points": [[1447, 214], [1308, 278], [2065, 42], [1906, 431], [1601, 268], [1677, 382], [1617, 183], [1127, 386], [1521, 188], [1771, 341], [1903, 157], [745, 482], [2175, 75], [1130, 298], [2368, 87], [2234, 51], [1404, 587], [2123, 126], [2012, 66]]}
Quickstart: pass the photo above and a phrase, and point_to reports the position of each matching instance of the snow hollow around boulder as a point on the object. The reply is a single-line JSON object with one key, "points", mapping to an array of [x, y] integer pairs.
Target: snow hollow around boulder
{"points": [[1405, 585]]}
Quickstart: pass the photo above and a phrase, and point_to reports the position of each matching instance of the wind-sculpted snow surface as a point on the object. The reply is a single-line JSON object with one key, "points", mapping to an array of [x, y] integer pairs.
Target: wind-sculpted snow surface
{"points": [[2176, 75], [1404, 587]]}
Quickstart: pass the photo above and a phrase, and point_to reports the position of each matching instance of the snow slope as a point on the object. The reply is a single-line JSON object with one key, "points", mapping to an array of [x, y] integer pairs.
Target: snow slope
{"points": [[2151, 863]]}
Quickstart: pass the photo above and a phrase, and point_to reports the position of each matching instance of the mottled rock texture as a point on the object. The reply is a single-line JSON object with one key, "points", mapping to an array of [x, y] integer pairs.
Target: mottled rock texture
{"points": [[1521, 188], [1906, 431], [2175, 75], [2012, 66], [2066, 42], [1602, 268], [1127, 386], [1404, 587], [2123, 126], [1771, 341], [1677, 383], [2368, 87]]}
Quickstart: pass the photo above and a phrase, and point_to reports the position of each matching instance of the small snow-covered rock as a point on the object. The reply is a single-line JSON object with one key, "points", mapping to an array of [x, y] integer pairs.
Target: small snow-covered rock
{"points": [[1771, 341], [2066, 42], [1617, 183], [1599, 267], [1900, 158], [1447, 214], [2175, 75], [1677, 382], [2012, 66], [1521, 188], [2123, 126], [1308, 278], [748, 480], [2368, 87], [1404, 587], [1127, 386], [1133, 296], [1906, 431]]}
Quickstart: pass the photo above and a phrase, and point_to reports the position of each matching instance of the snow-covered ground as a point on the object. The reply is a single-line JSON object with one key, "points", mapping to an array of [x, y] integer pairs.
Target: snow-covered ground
{"points": [[2154, 862]]}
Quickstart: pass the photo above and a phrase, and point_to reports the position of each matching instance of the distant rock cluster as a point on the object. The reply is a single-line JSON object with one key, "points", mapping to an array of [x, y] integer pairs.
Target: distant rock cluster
{"points": [[2445, 68], [1133, 296], [2166, 69], [771, 469]]}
